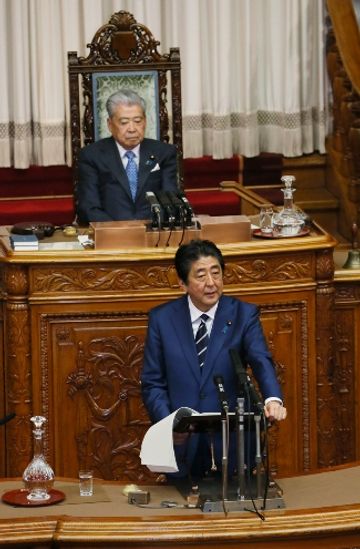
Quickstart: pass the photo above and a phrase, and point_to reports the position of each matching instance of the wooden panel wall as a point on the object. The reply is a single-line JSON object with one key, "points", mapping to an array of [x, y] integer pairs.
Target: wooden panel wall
{"points": [[347, 372]]}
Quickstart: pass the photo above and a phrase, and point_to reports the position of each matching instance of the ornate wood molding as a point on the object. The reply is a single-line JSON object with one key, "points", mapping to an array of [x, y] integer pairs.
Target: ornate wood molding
{"points": [[18, 387], [103, 279], [101, 393], [283, 269]]}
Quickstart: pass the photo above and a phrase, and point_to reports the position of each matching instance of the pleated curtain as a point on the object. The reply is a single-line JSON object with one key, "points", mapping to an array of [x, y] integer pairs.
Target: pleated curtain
{"points": [[253, 73]]}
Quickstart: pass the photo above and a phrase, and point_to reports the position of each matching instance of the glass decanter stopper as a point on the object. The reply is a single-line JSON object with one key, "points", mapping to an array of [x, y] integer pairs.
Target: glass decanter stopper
{"points": [[288, 221], [38, 476]]}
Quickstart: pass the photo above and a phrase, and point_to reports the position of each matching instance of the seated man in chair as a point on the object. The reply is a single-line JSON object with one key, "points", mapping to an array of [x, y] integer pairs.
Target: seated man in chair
{"points": [[115, 173]]}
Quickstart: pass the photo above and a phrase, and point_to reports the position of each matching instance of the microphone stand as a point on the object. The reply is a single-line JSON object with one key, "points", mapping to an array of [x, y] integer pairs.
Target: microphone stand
{"points": [[225, 427], [257, 419], [240, 447], [225, 450], [158, 214], [247, 388]]}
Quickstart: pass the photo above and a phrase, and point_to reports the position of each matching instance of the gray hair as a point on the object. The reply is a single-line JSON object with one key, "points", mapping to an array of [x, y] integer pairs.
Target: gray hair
{"points": [[124, 97]]}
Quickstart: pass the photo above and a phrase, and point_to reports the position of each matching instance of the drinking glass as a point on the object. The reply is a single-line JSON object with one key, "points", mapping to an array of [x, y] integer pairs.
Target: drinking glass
{"points": [[86, 482], [266, 219]]}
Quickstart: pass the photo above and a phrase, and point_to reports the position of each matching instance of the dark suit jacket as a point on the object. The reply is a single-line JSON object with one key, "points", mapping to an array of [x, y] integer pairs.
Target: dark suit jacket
{"points": [[103, 192], [171, 377]]}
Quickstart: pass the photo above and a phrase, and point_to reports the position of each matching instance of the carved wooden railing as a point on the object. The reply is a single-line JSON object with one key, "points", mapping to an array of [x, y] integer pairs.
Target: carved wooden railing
{"points": [[343, 146]]}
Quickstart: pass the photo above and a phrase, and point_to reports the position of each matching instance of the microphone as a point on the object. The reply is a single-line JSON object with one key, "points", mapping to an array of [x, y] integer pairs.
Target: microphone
{"points": [[219, 382], [167, 208], [7, 418], [179, 208], [180, 414], [155, 209], [189, 221], [244, 379]]}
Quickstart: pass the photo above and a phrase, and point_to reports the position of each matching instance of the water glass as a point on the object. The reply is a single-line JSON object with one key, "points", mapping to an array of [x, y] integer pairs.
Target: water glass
{"points": [[266, 219], [86, 482]]}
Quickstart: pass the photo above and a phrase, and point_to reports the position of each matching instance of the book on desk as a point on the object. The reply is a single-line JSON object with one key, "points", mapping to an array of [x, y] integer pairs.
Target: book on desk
{"points": [[24, 242]]}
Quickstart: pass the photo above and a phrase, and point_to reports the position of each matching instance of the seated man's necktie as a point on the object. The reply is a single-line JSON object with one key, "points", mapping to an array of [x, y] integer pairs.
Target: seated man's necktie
{"points": [[132, 173], [202, 340]]}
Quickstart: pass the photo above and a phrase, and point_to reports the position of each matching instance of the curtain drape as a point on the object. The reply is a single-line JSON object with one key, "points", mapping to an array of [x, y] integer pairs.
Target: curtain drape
{"points": [[253, 73]]}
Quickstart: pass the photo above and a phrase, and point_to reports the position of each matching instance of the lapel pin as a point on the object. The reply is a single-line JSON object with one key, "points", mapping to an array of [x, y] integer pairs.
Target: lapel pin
{"points": [[151, 160], [226, 327]]}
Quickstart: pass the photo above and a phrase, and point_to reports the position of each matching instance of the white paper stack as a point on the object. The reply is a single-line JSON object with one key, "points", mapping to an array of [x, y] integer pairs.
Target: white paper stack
{"points": [[157, 449]]}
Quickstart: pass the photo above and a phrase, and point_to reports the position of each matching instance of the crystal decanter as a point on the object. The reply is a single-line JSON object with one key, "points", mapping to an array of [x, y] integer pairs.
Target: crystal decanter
{"points": [[38, 476], [288, 221]]}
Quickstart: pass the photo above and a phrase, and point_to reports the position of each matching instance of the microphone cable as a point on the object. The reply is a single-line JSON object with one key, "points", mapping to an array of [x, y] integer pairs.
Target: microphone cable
{"points": [[179, 208], [249, 472], [168, 212], [183, 224], [179, 211], [266, 464], [171, 226], [159, 229]]}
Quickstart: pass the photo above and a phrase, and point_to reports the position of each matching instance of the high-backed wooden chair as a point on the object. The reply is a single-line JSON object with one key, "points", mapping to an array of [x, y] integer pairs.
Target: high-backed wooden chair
{"points": [[124, 54]]}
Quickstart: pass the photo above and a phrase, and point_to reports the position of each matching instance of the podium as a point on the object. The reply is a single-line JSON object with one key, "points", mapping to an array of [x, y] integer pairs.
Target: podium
{"points": [[140, 234], [249, 490]]}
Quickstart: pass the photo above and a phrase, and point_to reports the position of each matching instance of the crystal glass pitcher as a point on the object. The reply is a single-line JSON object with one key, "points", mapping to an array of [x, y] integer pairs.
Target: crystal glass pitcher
{"points": [[288, 221], [38, 476]]}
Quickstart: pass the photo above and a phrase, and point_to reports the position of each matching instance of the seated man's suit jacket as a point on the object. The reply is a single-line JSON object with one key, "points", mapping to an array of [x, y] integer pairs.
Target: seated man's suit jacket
{"points": [[103, 192], [171, 377]]}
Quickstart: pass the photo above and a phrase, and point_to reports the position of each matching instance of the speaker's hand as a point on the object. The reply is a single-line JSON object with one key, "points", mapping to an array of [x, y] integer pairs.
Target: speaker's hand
{"points": [[275, 411]]}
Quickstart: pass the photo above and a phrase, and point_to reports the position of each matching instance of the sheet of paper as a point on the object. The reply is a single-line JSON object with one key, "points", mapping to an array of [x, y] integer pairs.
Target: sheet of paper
{"points": [[157, 449]]}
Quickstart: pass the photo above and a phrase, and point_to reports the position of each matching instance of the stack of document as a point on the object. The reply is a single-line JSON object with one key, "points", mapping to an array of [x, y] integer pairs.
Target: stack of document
{"points": [[24, 242], [157, 449]]}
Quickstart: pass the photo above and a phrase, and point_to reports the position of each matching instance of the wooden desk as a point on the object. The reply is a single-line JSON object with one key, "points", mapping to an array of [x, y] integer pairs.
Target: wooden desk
{"points": [[73, 329], [322, 510]]}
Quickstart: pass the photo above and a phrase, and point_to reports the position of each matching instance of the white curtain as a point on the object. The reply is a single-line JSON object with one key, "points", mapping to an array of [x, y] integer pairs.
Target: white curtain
{"points": [[253, 73]]}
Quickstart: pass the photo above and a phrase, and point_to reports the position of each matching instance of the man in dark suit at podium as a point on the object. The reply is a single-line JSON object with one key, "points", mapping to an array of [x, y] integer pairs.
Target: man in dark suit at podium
{"points": [[179, 370], [116, 172]]}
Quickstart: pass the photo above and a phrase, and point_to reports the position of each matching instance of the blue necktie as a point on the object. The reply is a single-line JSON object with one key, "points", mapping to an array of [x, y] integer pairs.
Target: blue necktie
{"points": [[132, 173], [202, 340]]}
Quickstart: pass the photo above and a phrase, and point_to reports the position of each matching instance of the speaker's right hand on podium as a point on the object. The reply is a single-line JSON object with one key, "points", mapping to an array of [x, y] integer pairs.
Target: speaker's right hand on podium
{"points": [[275, 411]]}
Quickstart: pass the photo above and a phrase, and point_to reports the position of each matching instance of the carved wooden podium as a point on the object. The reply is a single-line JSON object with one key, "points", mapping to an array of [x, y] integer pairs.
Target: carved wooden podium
{"points": [[73, 325]]}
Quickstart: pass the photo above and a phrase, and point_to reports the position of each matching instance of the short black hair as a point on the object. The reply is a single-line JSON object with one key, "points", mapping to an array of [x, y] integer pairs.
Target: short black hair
{"points": [[187, 254]]}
